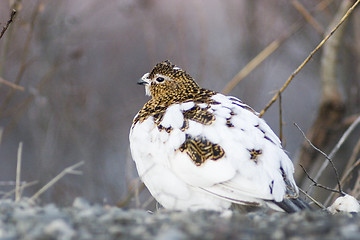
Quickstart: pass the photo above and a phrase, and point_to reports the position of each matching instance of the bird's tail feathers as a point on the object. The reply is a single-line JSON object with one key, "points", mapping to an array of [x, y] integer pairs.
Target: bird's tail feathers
{"points": [[291, 205]]}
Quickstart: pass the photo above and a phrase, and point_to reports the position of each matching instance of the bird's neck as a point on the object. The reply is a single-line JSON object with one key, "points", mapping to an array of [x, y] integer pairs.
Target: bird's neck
{"points": [[159, 105]]}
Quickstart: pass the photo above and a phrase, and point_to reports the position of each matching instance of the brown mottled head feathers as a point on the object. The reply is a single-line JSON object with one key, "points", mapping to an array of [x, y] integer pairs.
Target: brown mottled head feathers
{"points": [[176, 86], [177, 83], [172, 71]]}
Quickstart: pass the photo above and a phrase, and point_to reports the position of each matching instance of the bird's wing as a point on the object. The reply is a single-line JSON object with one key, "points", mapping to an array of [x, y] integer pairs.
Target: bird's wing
{"points": [[233, 153]]}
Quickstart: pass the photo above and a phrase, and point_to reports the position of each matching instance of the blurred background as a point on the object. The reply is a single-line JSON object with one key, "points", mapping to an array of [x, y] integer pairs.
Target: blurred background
{"points": [[79, 61]]}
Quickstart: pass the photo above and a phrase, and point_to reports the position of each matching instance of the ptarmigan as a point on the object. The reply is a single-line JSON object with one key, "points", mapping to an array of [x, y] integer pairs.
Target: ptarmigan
{"points": [[198, 149]]}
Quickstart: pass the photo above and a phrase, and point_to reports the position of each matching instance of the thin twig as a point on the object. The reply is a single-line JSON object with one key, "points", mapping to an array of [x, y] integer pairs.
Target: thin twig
{"points": [[10, 183], [338, 145], [18, 173], [25, 52], [68, 170], [148, 202], [12, 15], [320, 185], [326, 156], [280, 121], [252, 65], [12, 85], [276, 96], [23, 186], [347, 174], [16, 4], [131, 194], [356, 150], [322, 5], [306, 14], [352, 163], [312, 199], [16, 111], [355, 192]]}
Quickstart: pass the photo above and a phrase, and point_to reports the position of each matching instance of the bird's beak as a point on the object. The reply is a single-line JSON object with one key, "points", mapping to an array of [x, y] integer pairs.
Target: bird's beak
{"points": [[144, 80]]}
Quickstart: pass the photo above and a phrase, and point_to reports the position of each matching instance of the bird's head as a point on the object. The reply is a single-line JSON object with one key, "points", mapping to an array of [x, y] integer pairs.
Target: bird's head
{"points": [[167, 81]]}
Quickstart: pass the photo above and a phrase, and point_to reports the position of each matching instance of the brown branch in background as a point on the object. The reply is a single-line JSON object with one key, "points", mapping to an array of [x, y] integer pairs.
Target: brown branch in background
{"points": [[12, 15], [323, 4], [334, 151], [18, 110], [351, 164], [12, 85], [336, 148], [16, 4], [338, 145], [23, 65], [288, 81], [308, 17], [266, 52], [355, 192]]}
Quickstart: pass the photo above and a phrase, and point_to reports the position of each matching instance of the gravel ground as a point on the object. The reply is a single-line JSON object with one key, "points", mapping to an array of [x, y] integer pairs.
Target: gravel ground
{"points": [[84, 221]]}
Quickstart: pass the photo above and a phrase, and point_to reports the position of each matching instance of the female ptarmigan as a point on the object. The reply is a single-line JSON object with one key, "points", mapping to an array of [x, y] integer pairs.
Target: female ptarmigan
{"points": [[198, 149]]}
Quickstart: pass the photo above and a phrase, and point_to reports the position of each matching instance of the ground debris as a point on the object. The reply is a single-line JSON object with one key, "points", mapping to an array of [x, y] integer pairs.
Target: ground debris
{"points": [[85, 221]]}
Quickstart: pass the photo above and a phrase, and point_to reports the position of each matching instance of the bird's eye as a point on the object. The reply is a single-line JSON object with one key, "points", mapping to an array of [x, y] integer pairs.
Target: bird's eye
{"points": [[160, 79]]}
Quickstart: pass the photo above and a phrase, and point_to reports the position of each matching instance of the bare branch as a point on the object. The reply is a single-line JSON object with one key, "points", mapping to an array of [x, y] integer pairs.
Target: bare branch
{"points": [[312, 199], [288, 81], [326, 156], [25, 52], [12, 85], [338, 145], [320, 185], [352, 163], [12, 15]]}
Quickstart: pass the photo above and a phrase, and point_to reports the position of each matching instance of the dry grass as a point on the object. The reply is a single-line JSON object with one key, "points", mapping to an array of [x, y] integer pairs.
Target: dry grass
{"points": [[20, 186], [66, 171]]}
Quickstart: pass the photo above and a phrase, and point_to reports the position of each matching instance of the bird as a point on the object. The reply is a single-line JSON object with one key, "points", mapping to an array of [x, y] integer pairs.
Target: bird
{"points": [[197, 149]]}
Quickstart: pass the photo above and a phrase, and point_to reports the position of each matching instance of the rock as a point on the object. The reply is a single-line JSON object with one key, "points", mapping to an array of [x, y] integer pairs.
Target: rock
{"points": [[345, 203]]}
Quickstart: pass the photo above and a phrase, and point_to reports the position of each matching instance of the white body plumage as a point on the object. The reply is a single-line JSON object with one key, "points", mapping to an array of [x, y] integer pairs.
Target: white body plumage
{"points": [[237, 177]]}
